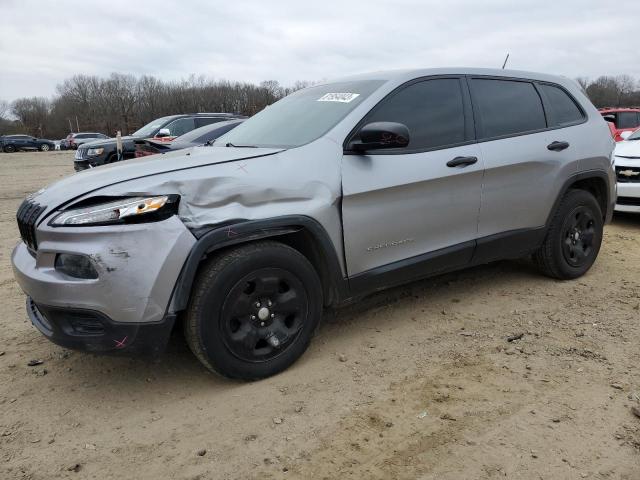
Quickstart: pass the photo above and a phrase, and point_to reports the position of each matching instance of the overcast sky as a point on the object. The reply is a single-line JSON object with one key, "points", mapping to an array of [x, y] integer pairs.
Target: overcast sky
{"points": [[43, 42]]}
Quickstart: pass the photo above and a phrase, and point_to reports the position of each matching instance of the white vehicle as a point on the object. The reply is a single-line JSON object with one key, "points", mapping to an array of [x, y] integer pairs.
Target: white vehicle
{"points": [[627, 158]]}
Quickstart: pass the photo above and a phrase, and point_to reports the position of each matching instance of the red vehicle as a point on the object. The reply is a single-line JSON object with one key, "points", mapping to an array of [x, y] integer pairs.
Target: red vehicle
{"points": [[621, 120]]}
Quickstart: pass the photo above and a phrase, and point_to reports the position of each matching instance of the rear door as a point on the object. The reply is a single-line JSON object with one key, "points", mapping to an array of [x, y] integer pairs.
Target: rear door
{"points": [[527, 155], [406, 206]]}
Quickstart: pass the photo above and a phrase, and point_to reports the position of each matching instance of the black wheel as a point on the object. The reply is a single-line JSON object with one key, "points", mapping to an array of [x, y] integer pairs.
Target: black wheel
{"points": [[253, 310], [574, 237], [9, 148], [44, 147]]}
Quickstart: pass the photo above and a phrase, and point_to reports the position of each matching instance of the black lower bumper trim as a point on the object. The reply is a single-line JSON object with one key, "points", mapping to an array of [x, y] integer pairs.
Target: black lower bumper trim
{"points": [[92, 331], [628, 201]]}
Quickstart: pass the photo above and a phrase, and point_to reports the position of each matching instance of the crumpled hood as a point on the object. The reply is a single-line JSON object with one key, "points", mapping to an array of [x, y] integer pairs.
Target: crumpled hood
{"points": [[628, 149], [82, 183]]}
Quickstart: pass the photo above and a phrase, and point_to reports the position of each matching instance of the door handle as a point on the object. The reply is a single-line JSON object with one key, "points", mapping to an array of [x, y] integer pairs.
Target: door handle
{"points": [[558, 146], [462, 161]]}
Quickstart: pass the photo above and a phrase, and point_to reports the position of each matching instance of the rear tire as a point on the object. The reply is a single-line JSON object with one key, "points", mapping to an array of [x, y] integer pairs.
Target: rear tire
{"points": [[9, 148], [44, 147], [253, 310], [574, 237]]}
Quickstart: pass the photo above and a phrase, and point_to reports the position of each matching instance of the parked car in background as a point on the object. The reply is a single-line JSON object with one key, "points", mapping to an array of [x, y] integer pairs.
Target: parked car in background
{"points": [[94, 154], [621, 120], [74, 140], [332, 193], [627, 161], [200, 136], [14, 143]]}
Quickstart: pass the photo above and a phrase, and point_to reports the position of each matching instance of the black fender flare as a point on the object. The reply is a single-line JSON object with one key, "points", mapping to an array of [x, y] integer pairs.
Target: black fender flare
{"points": [[237, 232], [585, 175]]}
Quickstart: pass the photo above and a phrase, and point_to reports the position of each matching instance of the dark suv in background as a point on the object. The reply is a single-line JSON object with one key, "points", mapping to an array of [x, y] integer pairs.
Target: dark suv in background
{"points": [[13, 143], [94, 154]]}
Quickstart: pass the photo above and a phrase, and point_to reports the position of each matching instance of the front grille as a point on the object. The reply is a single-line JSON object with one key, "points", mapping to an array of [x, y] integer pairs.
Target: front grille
{"points": [[628, 174], [81, 154], [631, 201], [27, 216]]}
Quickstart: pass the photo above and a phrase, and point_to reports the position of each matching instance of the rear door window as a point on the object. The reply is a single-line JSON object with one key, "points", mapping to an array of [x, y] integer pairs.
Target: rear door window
{"points": [[562, 110], [507, 107], [433, 110]]}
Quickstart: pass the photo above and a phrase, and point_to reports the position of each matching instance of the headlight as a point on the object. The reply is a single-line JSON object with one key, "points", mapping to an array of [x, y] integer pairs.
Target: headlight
{"points": [[125, 210], [92, 152]]}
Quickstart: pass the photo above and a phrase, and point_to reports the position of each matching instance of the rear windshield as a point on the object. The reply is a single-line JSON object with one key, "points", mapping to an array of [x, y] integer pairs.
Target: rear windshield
{"points": [[302, 116]]}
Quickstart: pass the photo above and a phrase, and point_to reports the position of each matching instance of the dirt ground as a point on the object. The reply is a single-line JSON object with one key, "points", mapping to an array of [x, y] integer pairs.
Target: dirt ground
{"points": [[418, 382]]}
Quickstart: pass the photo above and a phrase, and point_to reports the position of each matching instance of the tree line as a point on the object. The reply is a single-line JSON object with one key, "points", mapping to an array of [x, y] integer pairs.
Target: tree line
{"points": [[125, 102]]}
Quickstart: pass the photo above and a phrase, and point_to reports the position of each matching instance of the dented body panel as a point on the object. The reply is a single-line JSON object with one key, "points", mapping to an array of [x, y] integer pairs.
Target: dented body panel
{"points": [[137, 267]]}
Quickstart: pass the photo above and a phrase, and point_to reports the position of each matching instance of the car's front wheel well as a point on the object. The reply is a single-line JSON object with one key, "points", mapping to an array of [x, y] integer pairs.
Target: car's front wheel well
{"points": [[302, 234], [304, 242]]}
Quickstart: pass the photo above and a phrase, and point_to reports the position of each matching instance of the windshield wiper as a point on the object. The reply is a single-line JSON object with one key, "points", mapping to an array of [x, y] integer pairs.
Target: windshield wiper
{"points": [[229, 144]]}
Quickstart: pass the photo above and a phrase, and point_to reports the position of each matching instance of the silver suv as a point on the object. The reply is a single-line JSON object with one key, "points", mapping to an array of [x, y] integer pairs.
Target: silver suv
{"points": [[336, 191]]}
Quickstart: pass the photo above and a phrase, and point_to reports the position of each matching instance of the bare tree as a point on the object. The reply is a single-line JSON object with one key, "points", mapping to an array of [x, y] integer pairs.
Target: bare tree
{"points": [[32, 113], [4, 109], [124, 102]]}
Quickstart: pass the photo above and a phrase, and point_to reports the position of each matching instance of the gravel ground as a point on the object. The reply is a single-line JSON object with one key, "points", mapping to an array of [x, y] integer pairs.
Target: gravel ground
{"points": [[416, 382]]}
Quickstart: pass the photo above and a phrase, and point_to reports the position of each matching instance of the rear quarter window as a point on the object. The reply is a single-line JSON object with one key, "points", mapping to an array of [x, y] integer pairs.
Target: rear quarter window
{"points": [[562, 110], [507, 107]]}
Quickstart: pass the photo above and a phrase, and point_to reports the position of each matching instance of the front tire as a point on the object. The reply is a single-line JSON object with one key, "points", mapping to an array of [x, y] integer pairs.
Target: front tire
{"points": [[253, 310], [574, 237]]}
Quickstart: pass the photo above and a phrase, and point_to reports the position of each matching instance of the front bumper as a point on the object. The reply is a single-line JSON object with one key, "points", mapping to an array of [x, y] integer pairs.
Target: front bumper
{"points": [[91, 331], [137, 265], [628, 197], [628, 183], [79, 165]]}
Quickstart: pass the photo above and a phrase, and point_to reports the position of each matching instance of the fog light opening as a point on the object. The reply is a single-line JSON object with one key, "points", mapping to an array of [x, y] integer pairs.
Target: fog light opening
{"points": [[76, 266]]}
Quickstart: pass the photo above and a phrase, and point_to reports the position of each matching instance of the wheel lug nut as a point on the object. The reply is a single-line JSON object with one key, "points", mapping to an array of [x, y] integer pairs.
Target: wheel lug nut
{"points": [[269, 303], [258, 304], [253, 317], [273, 315], [262, 324]]}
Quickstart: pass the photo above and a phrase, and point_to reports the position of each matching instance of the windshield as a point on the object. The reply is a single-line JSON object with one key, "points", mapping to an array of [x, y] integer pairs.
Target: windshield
{"points": [[150, 128], [635, 135], [300, 117]]}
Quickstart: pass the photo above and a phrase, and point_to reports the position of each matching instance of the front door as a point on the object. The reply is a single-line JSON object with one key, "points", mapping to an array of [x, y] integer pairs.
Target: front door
{"points": [[407, 207]]}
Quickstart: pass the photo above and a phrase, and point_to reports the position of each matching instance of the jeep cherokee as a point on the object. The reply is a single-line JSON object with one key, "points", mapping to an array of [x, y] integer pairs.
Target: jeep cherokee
{"points": [[334, 192]]}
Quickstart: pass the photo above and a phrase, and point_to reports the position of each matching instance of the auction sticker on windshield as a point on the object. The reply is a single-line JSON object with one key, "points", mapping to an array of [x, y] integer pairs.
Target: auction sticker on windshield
{"points": [[338, 97]]}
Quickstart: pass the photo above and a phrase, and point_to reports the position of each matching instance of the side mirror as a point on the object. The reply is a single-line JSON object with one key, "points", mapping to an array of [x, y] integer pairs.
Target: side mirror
{"points": [[163, 132], [626, 134], [379, 135]]}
